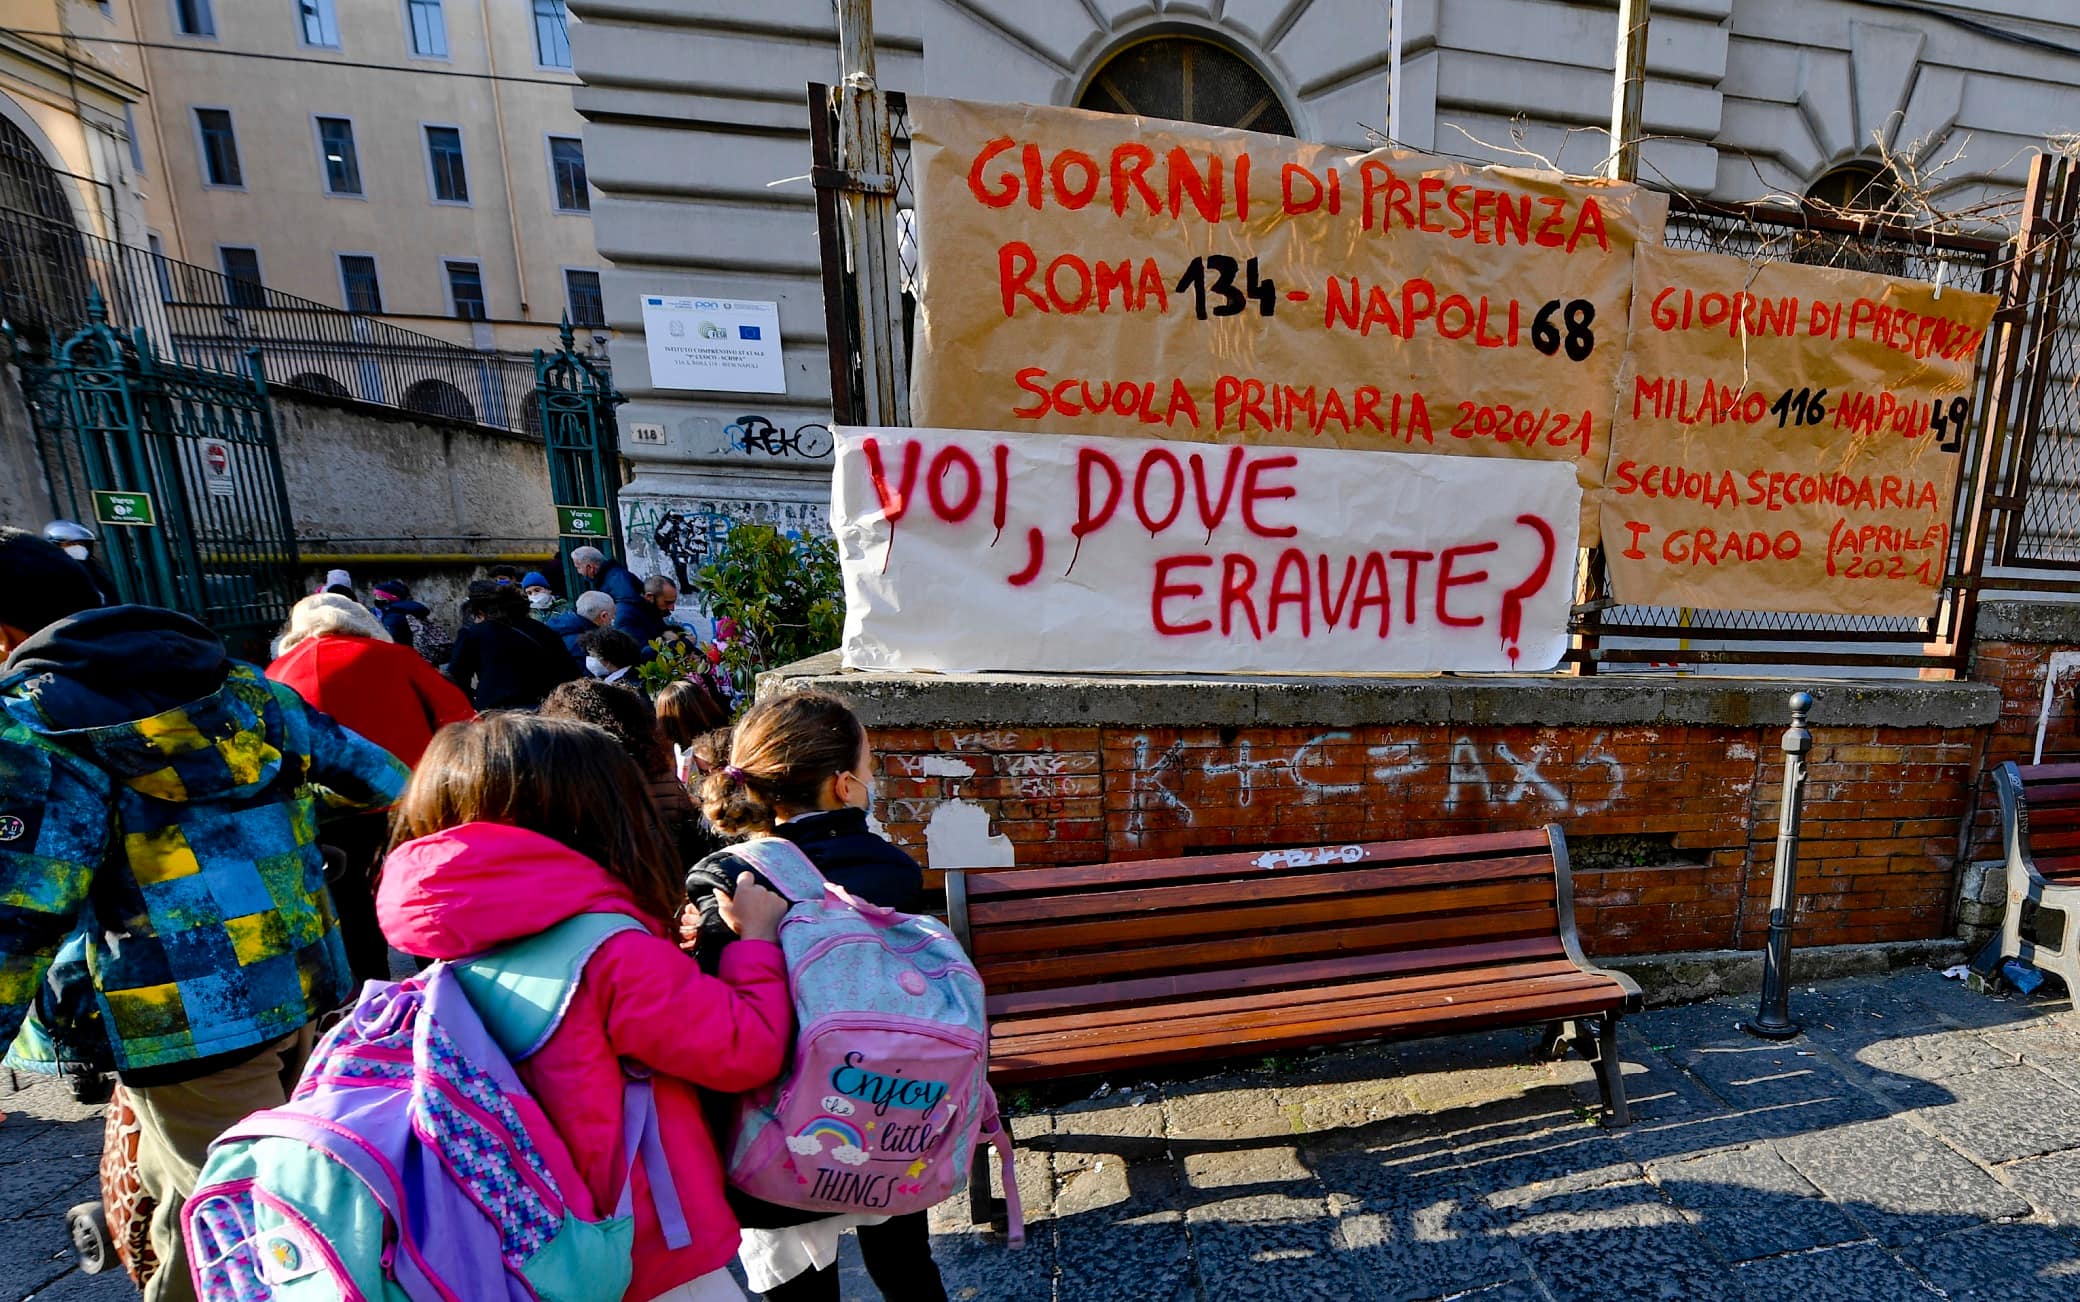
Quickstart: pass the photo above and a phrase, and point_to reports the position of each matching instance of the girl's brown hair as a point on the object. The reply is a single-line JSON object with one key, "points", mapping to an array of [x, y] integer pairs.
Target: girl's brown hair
{"points": [[780, 754], [686, 710], [569, 781]]}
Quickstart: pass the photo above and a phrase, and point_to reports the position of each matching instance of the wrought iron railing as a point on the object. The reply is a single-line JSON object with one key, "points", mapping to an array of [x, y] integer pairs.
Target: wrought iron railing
{"points": [[205, 318]]}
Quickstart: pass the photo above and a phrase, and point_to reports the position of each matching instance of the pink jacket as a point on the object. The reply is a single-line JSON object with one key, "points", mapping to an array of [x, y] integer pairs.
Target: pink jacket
{"points": [[466, 890]]}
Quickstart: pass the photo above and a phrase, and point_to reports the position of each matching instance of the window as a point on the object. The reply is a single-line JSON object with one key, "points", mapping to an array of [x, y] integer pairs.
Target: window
{"points": [[319, 22], [581, 292], [466, 291], [242, 271], [338, 157], [1188, 80], [136, 145], [194, 18], [444, 156], [361, 289], [160, 271], [219, 148], [552, 34], [567, 174], [429, 28]]}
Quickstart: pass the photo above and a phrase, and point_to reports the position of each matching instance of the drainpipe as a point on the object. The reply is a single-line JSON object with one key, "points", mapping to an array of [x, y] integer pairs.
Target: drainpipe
{"points": [[505, 161]]}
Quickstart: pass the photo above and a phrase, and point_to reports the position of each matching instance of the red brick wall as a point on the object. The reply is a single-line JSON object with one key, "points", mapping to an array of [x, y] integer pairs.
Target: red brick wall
{"points": [[2019, 670], [1885, 806]]}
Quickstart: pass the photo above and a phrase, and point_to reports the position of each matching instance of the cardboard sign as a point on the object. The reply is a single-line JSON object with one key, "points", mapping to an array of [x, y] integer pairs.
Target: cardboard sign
{"points": [[1788, 438], [1089, 273], [970, 551]]}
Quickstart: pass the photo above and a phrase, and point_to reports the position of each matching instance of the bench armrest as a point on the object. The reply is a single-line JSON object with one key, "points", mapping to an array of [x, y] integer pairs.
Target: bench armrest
{"points": [[1570, 940]]}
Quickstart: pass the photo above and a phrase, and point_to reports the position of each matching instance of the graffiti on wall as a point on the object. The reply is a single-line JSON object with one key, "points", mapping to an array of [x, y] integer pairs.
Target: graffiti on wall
{"points": [[756, 435], [677, 535], [1477, 775]]}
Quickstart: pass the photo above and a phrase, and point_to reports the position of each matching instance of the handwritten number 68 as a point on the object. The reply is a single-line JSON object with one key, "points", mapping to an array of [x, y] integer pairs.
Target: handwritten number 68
{"points": [[1233, 299], [1578, 315]]}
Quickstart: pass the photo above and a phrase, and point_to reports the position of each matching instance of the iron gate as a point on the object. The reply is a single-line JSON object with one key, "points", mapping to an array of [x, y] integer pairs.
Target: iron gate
{"points": [[576, 399], [178, 469]]}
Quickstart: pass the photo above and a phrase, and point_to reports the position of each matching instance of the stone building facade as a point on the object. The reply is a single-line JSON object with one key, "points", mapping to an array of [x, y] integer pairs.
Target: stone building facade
{"points": [[697, 133]]}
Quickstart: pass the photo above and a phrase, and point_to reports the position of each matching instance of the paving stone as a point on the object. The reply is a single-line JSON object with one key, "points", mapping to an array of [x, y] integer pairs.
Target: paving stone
{"points": [[1330, 1105], [34, 1251], [28, 1139], [2050, 1044], [2004, 1115], [1268, 1169], [1616, 1244], [2001, 1263], [111, 1285], [1414, 1231], [1861, 1272], [1751, 1203], [49, 1184], [1525, 1290], [1955, 1002], [2051, 1183], [1128, 1241], [1223, 1108], [1272, 1247], [1100, 1127], [1780, 1089], [1933, 1055], [1689, 1026], [1898, 1183]]}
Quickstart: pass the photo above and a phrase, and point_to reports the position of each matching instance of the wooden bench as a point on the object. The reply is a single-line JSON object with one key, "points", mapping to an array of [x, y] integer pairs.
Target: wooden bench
{"points": [[2040, 831], [1126, 965]]}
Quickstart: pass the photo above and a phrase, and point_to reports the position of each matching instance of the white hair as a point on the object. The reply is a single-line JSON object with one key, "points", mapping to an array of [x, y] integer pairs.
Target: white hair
{"points": [[588, 556], [590, 605], [329, 614]]}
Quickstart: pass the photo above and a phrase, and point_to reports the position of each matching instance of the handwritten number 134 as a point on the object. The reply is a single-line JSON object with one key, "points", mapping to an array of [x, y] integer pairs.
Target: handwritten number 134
{"points": [[1229, 299]]}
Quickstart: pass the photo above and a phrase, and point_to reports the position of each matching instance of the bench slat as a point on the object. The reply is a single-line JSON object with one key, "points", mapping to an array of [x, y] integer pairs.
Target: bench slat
{"points": [[2051, 795], [1055, 970], [1462, 983], [2053, 816], [1348, 881], [1477, 901], [2050, 844], [1156, 989], [1162, 1041], [985, 883], [2048, 773]]}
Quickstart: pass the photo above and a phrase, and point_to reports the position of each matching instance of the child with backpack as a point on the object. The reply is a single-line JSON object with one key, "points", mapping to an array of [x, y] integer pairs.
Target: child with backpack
{"points": [[516, 824], [798, 767]]}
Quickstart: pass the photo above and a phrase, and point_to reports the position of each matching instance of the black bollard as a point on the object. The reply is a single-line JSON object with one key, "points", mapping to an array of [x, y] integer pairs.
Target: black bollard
{"points": [[1773, 1021]]}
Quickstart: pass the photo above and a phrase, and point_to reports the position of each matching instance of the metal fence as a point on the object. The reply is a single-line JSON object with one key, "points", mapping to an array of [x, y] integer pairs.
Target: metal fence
{"points": [[204, 318]]}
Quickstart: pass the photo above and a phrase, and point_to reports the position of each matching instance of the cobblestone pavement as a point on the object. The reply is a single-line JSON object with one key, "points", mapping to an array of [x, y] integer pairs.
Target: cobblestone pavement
{"points": [[1919, 1142]]}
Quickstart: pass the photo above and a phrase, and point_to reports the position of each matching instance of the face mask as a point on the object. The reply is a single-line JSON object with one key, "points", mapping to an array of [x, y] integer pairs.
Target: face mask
{"points": [[76, 552], [597, 667], [541, 600]]}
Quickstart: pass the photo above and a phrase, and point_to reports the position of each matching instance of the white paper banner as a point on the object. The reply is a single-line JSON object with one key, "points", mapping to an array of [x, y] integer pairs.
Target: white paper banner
{"points": [[974, 551]]}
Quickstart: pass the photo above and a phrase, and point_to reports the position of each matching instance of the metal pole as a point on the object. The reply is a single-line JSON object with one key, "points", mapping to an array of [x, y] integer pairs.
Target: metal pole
{"points": [[866, 150], [1628, 89], [1773, 1021]]}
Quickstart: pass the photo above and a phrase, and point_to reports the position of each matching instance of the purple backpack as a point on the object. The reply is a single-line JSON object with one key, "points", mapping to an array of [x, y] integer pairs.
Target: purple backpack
{"points": [[886, 1094], [411, 1164]]}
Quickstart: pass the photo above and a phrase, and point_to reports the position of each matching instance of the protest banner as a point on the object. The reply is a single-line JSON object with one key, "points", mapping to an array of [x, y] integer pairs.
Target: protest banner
{"points": [[1788, 438], [1090, 273], [973, 551]]}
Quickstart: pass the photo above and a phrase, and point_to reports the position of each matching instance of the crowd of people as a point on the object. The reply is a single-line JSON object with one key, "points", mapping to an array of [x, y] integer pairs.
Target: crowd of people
{"points": [[240, 847]]}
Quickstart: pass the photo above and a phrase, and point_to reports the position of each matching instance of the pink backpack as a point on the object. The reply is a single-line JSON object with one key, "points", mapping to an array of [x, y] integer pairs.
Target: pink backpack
{"points": [[887, 1093]]}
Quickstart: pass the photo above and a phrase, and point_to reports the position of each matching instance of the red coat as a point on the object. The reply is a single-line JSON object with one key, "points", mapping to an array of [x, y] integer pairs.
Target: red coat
{"points": [[475, 887], [385, 692]]}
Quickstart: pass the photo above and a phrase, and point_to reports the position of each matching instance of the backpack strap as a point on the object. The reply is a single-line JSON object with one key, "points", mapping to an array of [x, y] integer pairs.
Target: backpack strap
{"points": [[521, 991], [782, 863]]}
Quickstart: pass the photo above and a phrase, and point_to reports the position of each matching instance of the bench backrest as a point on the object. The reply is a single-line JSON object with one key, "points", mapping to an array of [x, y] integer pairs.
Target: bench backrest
{"points": [[1129, 932], [2040, 814]]}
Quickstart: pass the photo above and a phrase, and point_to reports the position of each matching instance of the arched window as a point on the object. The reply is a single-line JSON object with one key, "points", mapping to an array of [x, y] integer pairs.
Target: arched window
{"points": [[43, 261], [439, 398], [1857, 187], [1188, 79]]}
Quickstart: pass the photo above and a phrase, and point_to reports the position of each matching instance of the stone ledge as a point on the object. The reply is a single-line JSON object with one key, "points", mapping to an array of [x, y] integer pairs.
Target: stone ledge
{"points": [[1708, 973], [2029, 621], [1122, 701]]}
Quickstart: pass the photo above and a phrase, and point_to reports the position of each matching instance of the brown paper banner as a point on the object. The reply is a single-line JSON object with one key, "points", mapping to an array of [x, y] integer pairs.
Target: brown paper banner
{"points": [[1087, 273], [1788, 437]]}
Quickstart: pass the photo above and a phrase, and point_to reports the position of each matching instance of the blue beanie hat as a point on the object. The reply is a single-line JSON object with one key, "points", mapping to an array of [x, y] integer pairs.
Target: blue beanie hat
{"points": [[533, 579]]}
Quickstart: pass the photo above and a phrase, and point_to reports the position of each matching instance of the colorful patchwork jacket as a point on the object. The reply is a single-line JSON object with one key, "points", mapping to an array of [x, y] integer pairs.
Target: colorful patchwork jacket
{"points": [[175, 826]]}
